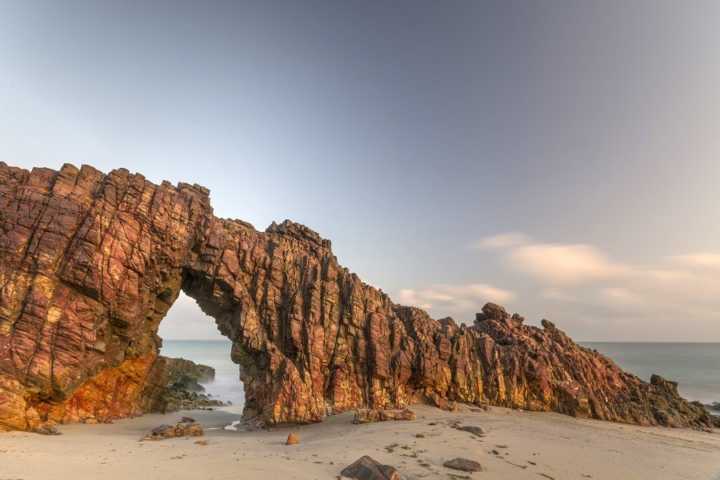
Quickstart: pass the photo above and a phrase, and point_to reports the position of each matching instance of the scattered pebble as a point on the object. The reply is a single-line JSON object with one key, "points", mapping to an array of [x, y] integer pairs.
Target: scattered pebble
{"points": [[292, 439]]}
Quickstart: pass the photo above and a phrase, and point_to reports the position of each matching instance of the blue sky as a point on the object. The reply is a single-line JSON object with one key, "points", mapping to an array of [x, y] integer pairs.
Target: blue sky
{"points": [[558, 157]]}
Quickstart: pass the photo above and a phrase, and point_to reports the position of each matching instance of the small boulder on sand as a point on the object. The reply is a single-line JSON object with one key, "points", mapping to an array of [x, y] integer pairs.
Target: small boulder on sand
{"points": [[47, 429], [180, 429], [463, 464], [292, 439], [367, 468], [370, 415]]}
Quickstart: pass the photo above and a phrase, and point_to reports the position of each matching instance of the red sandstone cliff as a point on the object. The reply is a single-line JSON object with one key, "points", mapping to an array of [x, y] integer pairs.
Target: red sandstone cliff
{"points": [[90, 263]]}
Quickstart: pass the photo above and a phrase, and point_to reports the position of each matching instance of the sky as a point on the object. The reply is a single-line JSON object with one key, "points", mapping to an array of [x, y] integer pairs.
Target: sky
{"points": [[560, 158]]}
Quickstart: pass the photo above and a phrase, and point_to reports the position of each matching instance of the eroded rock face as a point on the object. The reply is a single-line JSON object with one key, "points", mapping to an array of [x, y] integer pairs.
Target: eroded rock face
{"points": [[90, 264], [176, 386], [189, 375]]}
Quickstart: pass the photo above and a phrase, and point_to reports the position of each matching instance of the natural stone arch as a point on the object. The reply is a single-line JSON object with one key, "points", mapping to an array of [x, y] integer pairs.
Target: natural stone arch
{"points": [[298, 322], [91, 263]]}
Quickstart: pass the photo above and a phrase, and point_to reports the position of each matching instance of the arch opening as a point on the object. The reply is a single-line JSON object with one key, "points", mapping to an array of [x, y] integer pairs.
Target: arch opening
{"points": [[188, 332]]}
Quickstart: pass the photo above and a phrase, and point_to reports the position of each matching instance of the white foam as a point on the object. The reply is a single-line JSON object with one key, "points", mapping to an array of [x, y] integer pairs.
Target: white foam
{"points": [[233, 426]]}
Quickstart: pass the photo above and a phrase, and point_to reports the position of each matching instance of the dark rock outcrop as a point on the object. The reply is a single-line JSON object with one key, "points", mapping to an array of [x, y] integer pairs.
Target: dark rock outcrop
{"points": [[371, 415], [188, 375], [90, 264], [463, 464], [367, 468], [177, 386], [184, 428]]}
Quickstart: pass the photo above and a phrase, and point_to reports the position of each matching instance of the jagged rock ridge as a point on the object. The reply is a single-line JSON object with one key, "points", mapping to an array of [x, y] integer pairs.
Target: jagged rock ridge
{"points": [[90, 264]]}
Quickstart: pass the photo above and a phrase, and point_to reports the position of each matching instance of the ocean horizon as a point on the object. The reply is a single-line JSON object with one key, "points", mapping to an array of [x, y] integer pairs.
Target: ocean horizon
{"points": [[693, 365]]}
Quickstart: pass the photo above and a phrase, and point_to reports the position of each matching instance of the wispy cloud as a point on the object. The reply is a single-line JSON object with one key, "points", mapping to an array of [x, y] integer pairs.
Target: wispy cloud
{"points": [[620, 296], [582, 280], [556, 263], [701, 259], [601, 296], [504, 240], [454, 298], [562, 264], [557, 295]]}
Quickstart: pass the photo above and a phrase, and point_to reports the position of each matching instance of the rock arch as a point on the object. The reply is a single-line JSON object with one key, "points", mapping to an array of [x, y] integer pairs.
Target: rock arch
{"points": [[90, 264]]}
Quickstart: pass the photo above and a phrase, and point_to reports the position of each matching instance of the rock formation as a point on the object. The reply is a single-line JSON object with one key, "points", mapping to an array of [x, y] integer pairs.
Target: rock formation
{"points": [[176, 386], [372, 415], [367, 468], [90, 264], [188, 375], [463, 464], [187, 427]]}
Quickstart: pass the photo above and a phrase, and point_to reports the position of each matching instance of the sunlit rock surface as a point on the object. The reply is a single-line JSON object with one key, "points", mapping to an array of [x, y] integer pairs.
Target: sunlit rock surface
{"points": [[90, 264]]}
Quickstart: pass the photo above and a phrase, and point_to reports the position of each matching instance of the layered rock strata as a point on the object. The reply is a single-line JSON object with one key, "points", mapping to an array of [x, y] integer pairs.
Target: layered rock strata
{"points": [[90, 264], [176, 386]]}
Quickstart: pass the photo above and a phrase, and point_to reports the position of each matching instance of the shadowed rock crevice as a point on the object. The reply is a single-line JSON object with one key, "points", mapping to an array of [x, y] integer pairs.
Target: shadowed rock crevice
{"points": [[91, 263]]}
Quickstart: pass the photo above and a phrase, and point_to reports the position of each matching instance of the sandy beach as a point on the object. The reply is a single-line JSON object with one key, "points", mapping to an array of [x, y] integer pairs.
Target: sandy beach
{"points": [[518, 445]]}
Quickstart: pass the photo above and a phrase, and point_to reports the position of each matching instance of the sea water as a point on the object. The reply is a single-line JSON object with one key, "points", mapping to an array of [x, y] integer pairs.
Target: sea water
{"points": [[214, 353], [695, 366]]}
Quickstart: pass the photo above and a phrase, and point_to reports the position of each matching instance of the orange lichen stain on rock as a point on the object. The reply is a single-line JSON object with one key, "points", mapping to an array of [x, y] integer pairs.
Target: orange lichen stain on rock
{"points": [[111, 394]]}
